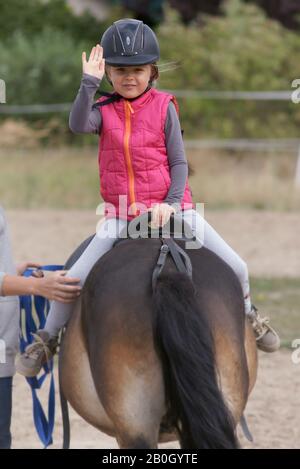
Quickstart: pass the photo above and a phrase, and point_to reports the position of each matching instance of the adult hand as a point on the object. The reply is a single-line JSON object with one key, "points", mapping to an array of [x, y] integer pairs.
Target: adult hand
{"points": [[57, 286], [29, 265], [95, 65]]}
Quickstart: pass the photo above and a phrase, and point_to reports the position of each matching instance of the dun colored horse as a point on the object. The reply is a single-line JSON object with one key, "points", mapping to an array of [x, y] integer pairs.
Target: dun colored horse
{"points": [[149, 366]]}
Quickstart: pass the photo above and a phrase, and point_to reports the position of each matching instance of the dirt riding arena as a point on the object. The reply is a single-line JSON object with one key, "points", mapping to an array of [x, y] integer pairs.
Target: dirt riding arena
{"points": [[270, 244]]}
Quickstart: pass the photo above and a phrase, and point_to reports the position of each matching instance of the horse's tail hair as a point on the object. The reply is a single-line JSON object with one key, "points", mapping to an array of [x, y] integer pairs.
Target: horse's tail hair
{"points": [[184, 342]]}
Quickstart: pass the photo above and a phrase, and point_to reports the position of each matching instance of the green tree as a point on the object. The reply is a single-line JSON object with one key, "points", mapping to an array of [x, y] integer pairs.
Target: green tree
{"points": [[33, 16], [242, 51]]}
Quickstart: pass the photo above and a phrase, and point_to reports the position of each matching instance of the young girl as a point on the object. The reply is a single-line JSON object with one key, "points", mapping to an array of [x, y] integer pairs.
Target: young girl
{"points": [[141, 156], [56, 286]]}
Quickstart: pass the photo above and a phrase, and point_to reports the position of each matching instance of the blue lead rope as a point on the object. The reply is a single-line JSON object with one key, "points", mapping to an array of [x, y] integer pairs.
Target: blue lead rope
{"points": [[28, 325]]}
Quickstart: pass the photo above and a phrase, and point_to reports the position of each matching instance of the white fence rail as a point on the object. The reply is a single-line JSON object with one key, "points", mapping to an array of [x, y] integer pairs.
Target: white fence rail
{"points": [[255, 145], [287, 145], [218, 95]]}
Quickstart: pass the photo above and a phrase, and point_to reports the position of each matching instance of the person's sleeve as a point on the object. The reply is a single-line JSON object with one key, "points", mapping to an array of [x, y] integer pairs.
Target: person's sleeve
{"points": [[176, 157], [2, 274], [84, 119]]}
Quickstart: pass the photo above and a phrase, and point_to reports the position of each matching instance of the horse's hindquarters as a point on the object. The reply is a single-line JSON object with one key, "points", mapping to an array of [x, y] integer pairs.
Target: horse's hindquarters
{"points": [[79, 389], [76, 379], [236, 360], [251, 354]]}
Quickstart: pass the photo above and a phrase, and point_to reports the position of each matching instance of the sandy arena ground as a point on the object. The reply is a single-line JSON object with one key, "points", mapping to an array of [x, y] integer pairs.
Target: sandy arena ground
{"points": [[269, 242]]}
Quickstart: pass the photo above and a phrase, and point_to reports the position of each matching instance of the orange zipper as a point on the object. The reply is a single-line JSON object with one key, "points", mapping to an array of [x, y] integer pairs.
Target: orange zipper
{"points": [[128, 112]]}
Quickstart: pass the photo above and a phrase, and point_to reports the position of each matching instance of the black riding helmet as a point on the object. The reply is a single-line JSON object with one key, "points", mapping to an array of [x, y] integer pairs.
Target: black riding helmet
{"points": [[129, 42]]}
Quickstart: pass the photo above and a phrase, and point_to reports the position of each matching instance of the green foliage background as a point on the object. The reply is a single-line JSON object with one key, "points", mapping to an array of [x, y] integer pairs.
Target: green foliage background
{"points": [[40, 61]]}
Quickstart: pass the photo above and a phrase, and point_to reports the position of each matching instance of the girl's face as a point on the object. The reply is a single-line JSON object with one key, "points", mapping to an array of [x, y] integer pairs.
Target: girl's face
{"points": [[130, 81]]}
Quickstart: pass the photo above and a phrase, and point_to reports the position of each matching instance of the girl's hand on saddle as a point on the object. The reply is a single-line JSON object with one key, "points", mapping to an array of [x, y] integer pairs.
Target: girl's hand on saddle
{"points": [[95, 65], [161, 214], [57, 286]]}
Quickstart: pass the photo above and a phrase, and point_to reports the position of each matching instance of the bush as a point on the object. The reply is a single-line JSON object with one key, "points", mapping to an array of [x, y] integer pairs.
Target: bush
{"points": [[31, 18], [43, 69], [40, 57], [242, 51]]}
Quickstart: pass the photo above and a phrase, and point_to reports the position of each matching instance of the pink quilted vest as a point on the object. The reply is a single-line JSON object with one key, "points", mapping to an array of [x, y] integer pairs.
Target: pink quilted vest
{"points": [[133, 161]]}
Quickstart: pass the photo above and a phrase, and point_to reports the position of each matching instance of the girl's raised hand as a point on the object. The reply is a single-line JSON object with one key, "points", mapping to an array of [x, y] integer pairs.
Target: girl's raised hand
{"points": [[95, 65]]}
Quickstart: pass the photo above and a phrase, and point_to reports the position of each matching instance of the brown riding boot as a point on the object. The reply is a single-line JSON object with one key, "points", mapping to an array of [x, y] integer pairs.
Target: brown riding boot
{"points": [[30, 362], [267, 338]]}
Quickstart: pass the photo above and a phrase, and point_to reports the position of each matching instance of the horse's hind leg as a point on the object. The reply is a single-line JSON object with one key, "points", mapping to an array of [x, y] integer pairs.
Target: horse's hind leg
{"points": [[138, 431], [132, 393], [142, 432], [137, 414], [135, 442]]}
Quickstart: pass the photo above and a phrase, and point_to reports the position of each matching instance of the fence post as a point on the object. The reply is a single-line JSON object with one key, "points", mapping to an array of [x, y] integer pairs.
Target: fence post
{"points": [[2, 92], [297, 175]]}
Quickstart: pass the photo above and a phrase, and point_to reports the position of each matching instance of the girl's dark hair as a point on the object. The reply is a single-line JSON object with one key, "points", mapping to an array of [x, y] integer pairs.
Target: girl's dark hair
{"points": [[155, 74]]}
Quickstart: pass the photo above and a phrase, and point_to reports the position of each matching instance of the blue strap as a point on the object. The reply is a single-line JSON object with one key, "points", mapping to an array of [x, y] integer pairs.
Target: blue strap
{"points": [[28, 325]]}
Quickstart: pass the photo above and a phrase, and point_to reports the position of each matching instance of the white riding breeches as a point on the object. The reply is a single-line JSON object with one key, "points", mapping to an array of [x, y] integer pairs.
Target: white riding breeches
{"points": [[107, 233]]}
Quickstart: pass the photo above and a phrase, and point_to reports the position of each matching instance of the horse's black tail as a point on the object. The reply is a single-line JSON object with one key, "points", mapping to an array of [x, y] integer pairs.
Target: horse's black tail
{"points": [[184, 341]]}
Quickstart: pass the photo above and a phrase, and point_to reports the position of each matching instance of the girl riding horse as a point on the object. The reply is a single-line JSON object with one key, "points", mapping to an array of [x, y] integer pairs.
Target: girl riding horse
{"points": [[141, 160]]}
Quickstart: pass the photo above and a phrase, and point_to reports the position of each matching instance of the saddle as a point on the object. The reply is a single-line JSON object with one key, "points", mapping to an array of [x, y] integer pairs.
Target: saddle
{"points": [[140, 227]]}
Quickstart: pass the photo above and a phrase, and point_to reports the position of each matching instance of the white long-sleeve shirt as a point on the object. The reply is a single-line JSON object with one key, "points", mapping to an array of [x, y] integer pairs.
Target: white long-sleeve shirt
{"points": [[9, 306]]}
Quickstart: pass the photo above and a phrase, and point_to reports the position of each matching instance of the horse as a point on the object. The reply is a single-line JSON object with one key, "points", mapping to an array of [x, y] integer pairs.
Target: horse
{"points": [[150, 365]]}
